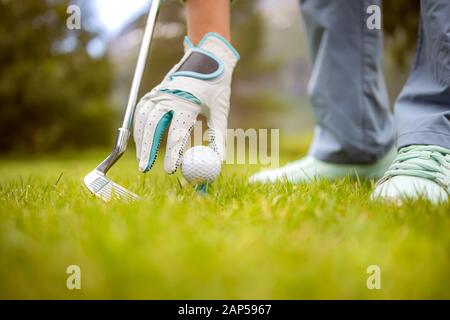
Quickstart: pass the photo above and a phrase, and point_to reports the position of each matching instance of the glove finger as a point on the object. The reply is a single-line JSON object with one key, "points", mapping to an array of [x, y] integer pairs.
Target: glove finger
{"points": [[217, 134], [143, 109], [183, 121], [157, 122], [218, 123]]}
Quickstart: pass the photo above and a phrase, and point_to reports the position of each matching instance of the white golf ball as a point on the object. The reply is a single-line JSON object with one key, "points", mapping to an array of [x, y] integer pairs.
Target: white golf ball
{"points": [[200, 165]]}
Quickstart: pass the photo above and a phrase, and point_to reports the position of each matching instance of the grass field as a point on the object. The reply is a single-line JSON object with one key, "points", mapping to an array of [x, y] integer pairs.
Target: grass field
{"points": [[244, 242]]}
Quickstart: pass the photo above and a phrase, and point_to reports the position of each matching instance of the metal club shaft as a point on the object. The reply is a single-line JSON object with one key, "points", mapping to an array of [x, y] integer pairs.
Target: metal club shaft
{"points": [[123, 133]]}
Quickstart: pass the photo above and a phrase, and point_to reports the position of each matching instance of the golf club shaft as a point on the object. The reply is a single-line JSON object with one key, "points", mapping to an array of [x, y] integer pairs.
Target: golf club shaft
{"points": [[145, 46], [123, 133]]}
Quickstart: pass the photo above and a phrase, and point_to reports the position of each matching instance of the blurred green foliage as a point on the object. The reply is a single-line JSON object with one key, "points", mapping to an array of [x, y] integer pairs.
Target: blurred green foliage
{"points": [[165, 52], [400, 24], [52, 92]]}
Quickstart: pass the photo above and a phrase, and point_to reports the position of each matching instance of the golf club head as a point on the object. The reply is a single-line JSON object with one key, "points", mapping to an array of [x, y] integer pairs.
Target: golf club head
{"points": [[106, 189]]}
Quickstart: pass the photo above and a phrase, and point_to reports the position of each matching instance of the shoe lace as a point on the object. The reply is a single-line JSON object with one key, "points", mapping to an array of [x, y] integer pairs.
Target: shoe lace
{"points": [[429, 162]]}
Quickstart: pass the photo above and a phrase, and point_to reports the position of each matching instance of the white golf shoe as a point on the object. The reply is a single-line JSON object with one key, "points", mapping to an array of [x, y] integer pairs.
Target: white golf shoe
{"points": [[418, 171], [310, 168]]}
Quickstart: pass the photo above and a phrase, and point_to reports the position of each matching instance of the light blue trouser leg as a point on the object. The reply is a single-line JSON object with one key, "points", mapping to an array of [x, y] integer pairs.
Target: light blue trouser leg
{"points": [[347, 88], [423, 108]]}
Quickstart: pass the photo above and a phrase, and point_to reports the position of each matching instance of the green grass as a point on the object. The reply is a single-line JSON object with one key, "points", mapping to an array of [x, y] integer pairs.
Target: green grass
{"points": [[244, 242]]}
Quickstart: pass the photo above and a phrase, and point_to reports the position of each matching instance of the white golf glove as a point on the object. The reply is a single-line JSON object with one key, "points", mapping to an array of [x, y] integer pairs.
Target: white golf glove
{"points": [[199, 84]]}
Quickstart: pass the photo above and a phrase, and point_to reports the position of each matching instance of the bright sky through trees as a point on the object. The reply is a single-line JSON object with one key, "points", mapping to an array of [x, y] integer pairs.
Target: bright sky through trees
{"points": [[113, 14]]}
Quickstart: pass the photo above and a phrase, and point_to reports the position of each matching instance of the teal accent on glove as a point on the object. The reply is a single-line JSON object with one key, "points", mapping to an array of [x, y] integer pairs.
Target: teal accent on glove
{"points": [[159, 131], [183, 94], [188, 43]]}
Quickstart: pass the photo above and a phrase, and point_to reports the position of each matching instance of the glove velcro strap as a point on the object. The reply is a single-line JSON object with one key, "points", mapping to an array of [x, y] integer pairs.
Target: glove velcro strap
{"points": [[200, 64]]}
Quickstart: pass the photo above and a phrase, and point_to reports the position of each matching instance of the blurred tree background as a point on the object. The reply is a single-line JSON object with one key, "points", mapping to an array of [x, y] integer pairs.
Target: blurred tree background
{"points": [[55, 95], [401, 27]]}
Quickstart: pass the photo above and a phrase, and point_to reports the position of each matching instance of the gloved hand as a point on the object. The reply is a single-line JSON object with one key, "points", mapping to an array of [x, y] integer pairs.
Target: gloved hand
{"points": [[199, 84]]}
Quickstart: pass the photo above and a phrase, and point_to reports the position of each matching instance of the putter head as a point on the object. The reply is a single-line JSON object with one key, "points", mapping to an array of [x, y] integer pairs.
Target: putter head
{"points": [[106, 189]]}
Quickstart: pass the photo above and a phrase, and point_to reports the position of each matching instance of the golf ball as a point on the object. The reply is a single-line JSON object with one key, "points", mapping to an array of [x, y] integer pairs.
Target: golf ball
{"points": [[200, 165]]}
